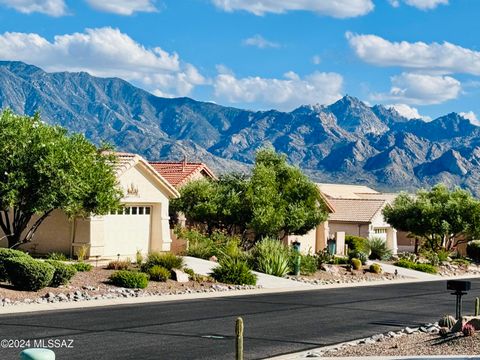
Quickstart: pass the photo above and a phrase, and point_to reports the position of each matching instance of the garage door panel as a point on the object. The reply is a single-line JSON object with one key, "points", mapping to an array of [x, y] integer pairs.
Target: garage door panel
{"points": [[127, 231]]}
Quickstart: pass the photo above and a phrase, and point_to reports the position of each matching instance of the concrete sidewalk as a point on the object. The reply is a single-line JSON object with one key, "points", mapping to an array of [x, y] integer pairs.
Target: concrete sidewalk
{"points": [[204, 267], [406, 272]]}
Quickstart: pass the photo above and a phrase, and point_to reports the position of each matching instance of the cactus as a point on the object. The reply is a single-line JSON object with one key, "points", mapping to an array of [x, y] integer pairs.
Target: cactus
{"points": [[468, 330], [447, 321], [356, 264], [376, 269], [477, 306], [239, 338]]}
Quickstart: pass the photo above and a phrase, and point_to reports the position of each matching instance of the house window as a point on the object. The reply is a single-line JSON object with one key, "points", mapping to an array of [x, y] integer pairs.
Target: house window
{"points": [[147, 210], [381, 231], [140, 210], [134, 210], [127, 211]]}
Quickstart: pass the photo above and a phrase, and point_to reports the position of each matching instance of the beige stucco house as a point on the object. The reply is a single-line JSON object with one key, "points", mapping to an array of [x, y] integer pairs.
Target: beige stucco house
{"points": [[358, 211], [142, 224]]}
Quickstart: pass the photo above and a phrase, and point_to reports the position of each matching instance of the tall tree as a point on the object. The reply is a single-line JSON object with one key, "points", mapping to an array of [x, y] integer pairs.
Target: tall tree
{"points": [[276, 200], [284, 201], [440, 217], [43, 168]]}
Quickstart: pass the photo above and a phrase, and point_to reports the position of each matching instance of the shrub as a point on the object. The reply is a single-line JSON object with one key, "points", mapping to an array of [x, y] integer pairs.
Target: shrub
{"points": [[363, 257], [158, 273], [234, 271], [29, 274], [432, 258], [443, 255], [9, 254], [377, 247], [376, 269], [473, 250], [81, 266], [167, 260], [323, 257], [190, 273], [272, 257], [63, 273], [356, 243], [199, 245], [468, 330], [338, 260], [308, 264], [119, 265], [461, 261], [129, 279], [138, 258], [356, 264], [415, 266]]}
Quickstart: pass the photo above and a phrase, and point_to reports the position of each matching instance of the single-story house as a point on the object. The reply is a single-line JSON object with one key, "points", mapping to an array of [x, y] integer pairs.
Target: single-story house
{"points": [[142, 223], [178, 174], [358, 211], [316, 239]]}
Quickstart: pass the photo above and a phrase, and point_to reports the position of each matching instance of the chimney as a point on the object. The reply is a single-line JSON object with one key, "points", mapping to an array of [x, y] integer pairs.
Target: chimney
{"points": [[184, 162]]}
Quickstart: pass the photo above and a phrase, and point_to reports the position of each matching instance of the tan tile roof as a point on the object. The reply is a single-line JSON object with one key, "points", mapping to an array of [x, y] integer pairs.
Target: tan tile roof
{"points": [[341, 191], [178, 173], [355, 210]]}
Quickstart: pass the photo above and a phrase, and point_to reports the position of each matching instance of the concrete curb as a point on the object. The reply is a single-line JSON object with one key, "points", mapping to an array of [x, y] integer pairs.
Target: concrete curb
{"points": [[426, 357]]}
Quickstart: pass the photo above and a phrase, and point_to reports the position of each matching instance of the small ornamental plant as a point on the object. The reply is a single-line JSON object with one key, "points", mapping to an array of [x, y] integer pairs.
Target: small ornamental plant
{"points": [[468, 330]]}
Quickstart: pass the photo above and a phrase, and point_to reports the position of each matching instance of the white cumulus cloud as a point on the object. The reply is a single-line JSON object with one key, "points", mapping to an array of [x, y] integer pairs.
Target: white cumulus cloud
{"points": [[408, 112], [420, 4], [421, 89], [286, 93], [470, 115], [48, 7], [123, 7], [104, 52], [334, 8], [445, 57], [260, 42]]}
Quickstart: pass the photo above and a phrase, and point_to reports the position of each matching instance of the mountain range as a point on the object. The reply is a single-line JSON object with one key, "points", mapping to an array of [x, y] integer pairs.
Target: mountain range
{"points": [[345, 142]]}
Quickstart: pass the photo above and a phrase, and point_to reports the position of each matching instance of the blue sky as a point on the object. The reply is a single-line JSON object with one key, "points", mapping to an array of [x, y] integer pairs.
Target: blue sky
{"points": [[422, 56]]}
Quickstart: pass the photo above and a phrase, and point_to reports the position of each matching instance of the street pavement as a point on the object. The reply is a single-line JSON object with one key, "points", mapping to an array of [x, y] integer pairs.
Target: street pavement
{"points": [[275, 323]]}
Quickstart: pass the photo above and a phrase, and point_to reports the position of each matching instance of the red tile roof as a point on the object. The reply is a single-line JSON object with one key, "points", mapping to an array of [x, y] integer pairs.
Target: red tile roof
{"points": [[179, 173]]}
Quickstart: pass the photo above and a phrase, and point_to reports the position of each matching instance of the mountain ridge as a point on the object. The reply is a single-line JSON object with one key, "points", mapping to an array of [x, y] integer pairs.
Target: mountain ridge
{"points": [[345, 142]]}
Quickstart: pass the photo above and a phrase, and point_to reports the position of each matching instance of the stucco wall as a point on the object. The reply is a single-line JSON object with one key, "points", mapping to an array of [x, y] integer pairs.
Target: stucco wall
{"points": [[349, 228]]}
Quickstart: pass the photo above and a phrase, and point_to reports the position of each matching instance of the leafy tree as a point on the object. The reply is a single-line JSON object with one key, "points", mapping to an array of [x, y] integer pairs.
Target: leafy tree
{"points": [[44, 168], [284, 201], [440, 217], [217, 204], [276, 200]]}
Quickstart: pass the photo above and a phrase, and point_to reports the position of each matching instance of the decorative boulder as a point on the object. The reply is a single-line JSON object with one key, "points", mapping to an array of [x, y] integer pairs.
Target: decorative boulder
{"points": [[179, 276]]}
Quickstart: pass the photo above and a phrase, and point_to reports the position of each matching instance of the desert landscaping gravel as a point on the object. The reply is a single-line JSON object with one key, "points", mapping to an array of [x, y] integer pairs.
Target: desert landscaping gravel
{"points": [[417, 344]]}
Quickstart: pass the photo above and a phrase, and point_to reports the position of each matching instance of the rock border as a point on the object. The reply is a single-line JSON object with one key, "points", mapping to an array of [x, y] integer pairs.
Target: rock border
{"points": [[116, 293], [428, 328]]}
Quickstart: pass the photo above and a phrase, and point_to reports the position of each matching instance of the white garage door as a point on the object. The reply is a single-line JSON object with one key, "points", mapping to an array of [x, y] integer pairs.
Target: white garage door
{"points": [[127, 231]]}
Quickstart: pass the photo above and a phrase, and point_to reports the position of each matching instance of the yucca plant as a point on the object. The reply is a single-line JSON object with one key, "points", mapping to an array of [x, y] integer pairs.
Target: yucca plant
{"points": [[377, 247], [272, 257]]}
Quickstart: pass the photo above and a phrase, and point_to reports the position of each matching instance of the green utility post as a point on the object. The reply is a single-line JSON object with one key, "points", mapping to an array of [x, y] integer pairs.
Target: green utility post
{"points": [[296, 264], [477, 306], [239, 339]]}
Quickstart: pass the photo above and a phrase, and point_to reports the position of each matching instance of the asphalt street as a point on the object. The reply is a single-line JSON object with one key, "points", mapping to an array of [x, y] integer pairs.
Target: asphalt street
{"points": [[204, 329]]}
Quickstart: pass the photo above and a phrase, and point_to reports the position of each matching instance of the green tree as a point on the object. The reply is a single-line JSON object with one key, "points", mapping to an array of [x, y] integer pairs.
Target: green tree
{"points": [[276, 200], [44, 168], [440, 217], [283, 200]]}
